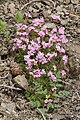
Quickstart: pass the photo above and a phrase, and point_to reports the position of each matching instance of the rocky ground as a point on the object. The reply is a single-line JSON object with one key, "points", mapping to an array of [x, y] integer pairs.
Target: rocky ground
{"points": [[12, 103]]}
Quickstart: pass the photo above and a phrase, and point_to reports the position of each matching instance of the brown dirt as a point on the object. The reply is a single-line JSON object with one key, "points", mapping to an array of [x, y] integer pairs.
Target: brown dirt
{"points": [[13, 106]]}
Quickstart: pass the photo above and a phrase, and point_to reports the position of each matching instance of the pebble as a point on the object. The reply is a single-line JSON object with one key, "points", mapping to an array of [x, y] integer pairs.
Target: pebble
{"points": [[75, 1], [45, 13], [1, 68], [78, 108], [78, 30], [36, 119], [5, 8], [65, 1], [3, 50], [64, 22], [50, 25], [12, 8], [10, 107], [21, 81]]}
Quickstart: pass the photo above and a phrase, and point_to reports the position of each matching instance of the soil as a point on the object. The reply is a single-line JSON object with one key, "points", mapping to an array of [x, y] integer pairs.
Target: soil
{"points": [[13, 106]]}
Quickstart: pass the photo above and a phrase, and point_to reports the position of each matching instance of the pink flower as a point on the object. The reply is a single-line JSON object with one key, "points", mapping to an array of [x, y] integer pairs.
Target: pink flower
{"points": [[41, 20], [19, 33], [44, 28], [43, 72], [41, 33], [54, 30], [28, 14], [31, 28], [58, 46], [24, 33], [15, 39], [26, 57], [63, 39], [56, 17], [54, 67], [23, 47], [38, 40], [36, 22], [61, 30], [37, 73], [14, 48], [41, 58], [50, 74], [45, 45], [62, 50], [48, 100], [65, 59], [53, 88], [63, 72], [18, 26], [24, 27], [25, 39], [53, 38], [49, 56], [54, 54]]}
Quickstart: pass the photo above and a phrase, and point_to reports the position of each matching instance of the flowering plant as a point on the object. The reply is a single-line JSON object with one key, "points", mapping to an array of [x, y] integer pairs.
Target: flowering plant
{"points": [[41, 51]]}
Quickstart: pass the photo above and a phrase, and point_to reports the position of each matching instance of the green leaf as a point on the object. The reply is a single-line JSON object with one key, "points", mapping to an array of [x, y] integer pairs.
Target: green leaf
{"points": [[58, 85], [57, 105], [3, 27], [63, 93], [55, 95], [58, 75], [19, 16], [38, 103], [50, 105], [35, 103], [44, 92]]}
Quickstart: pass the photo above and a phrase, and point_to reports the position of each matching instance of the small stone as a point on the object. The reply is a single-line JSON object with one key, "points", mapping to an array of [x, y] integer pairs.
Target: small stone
{"points": [[1, 68], [78, 30], [45, 13], [75, 1], [78, 108], [3, 50], [10, 107], [15, 68], [5, 8], [21, 81], [30, 118], [50, 25], [12, 8], [49, 11], [38, 5], [59, 8], [64, 22], [65, 1]]}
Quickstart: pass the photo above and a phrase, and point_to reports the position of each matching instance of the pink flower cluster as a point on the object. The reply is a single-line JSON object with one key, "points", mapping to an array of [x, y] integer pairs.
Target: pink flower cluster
{"points": [[34, 48], [50, 74], [39, 49], [37, 73]]}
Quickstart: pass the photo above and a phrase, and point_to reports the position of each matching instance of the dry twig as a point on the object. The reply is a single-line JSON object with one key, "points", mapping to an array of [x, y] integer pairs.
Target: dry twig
{"points": [[5, 76], [10, 87]]}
